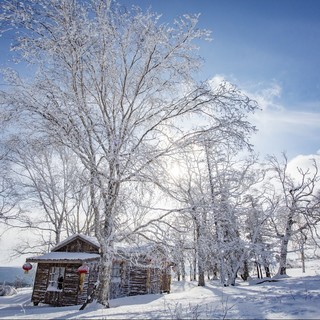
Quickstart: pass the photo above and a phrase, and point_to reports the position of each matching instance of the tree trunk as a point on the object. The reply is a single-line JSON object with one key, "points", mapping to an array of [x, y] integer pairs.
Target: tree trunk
{"points": [[194, 275], [258, 271], [261, 275], [245, 274], [201, 281], [201, 256], [105, 275], [215, 271], [267, 270], [303, 259], [284, 245], [183, 270]]}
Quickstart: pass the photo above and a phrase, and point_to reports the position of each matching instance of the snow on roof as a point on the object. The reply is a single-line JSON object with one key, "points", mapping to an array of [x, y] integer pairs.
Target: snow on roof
{"points": [[91, 240], [65, 256], [121, 250]]}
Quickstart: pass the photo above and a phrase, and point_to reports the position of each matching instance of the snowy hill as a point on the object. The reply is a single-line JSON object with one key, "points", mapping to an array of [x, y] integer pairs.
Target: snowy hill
{"points": [[295, 297]]}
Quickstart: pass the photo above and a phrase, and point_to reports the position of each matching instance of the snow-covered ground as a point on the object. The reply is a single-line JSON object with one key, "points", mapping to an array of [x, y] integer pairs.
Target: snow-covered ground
{"points": [[296, 297]]}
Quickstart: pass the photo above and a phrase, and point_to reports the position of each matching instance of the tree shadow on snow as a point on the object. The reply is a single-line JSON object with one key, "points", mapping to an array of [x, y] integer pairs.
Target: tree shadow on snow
{"points": [[88, 312]]}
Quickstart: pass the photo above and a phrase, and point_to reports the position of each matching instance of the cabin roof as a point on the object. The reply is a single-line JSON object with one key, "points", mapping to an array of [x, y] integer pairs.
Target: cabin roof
{"points": [[65, 257], [90, 240], [119, 248], [146, 251]]}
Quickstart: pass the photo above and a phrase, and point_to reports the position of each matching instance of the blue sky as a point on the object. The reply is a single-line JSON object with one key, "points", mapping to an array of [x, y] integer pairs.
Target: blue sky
{"points": [[270, 49], [257, 40]]}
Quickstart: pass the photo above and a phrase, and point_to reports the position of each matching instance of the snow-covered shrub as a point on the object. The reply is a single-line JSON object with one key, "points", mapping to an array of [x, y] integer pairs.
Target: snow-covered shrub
{"points": [[179, 311], [6, 290], [293, 263]]}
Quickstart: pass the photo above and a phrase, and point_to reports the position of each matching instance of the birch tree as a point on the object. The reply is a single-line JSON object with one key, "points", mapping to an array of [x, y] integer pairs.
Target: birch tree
{"points": [[212, 183], [297, 203], [113, 85], [50, 190], [258, 231], [230, 179], [8, 195]]}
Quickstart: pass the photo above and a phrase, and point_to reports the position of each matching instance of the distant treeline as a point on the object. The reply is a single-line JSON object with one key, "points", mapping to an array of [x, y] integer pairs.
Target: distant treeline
{"points": [[16, 277]]}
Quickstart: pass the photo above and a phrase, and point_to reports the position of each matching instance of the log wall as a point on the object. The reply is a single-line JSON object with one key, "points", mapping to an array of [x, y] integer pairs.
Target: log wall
{"points": [[78, 245], [40, 283], [71, 294], [134, 278]]}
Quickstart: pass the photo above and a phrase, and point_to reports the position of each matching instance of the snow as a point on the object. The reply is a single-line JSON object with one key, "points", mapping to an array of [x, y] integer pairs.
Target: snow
{"points": [[65, 256], [52, 288], [295, 297], [6, 290]]}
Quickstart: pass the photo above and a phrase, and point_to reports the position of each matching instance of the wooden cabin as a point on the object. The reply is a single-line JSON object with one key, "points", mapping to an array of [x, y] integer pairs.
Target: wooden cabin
{"points": [[134, 271]]}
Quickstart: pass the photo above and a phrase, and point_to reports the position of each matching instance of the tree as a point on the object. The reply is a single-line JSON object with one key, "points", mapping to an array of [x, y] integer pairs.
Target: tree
{"points": [[113, 86], [8, 198], [8, 194], [257, 230], [297, 201], [231, 179], [188, 190], [211, 186], [50, 190]]}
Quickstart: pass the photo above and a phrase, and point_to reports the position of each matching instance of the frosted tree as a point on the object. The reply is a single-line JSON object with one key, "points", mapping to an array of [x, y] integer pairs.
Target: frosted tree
{"points": [[212, 183], [113, 86], [230, 178], [8, 195], [296, 205], [50, 190], [187, 185], [257, 230]]}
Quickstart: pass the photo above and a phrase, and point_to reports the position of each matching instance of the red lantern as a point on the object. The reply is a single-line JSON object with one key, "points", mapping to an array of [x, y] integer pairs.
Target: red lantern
{"points": [[83, 270], [26, 267]]}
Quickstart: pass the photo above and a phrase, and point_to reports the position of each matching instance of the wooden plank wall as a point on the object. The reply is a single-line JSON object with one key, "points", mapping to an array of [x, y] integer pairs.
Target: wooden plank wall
{"points": [[71, 294], [155, 280], [70, 285], [78, 245], [89, 282], [40, 283], [135, 280]]}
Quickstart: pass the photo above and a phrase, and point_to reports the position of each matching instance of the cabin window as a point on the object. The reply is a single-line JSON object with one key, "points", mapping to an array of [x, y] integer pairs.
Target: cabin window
{"points": [[56, 278], [116, 272]]}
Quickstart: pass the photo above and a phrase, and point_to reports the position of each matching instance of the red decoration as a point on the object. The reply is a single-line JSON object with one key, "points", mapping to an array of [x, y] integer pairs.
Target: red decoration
{"points": [[26, 267], [83, 269]]}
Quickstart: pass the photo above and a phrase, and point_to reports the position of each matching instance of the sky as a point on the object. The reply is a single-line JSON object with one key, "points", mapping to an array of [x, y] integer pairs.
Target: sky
{"points": [[270, 50]]}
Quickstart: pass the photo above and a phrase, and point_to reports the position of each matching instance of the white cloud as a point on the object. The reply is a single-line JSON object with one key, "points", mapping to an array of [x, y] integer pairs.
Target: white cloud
{"points": [[266, 96], [281, 128], [305, 163], [216, 80]]}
